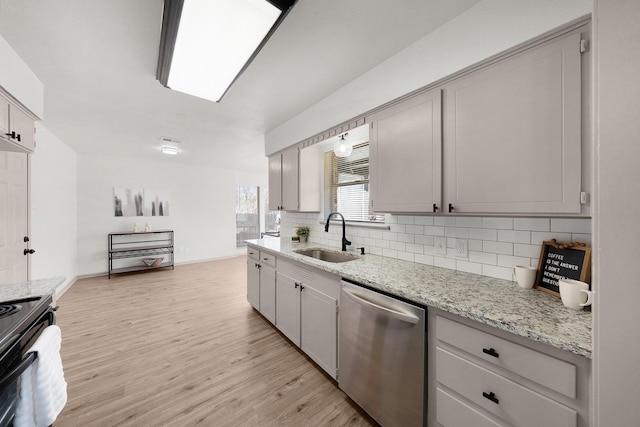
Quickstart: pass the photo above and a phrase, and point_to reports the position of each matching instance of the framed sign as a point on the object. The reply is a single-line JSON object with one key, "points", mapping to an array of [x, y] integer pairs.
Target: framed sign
{"points": [[562, 261]]}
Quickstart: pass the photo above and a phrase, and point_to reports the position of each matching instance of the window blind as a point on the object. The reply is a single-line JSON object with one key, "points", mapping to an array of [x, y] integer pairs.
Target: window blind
{"points": [[347, 185]]}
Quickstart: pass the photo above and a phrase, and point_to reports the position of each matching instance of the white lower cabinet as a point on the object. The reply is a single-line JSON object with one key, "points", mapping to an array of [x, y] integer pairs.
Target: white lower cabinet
{"points": [[261, 282], [253, 278], [319, 328], [288, 307], [307, 311], [480, 377]]}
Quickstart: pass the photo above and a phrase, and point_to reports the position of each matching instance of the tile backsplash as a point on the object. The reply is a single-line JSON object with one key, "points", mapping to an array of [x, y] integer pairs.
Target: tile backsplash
{"points": [[494, 244]]}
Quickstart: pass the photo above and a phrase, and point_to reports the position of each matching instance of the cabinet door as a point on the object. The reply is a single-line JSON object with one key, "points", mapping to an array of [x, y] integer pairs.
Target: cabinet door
{"points": [[319, 334], [513, 134], [268, 293], [22, 125], [253, 284], [290, 179], [275, 182], [406, 155], [310, 162], [288, 307]]}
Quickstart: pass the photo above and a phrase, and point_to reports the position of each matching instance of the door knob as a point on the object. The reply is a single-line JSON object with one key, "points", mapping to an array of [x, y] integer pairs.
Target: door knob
{"points": [[26, 239], [29, 251]]}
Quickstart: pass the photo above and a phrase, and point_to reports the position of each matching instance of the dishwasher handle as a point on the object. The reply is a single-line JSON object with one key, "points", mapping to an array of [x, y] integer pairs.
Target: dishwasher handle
{"points": [[405, 317]]}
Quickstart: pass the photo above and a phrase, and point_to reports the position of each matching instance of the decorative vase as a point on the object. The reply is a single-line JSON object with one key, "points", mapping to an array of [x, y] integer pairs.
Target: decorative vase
{"points": [[303, 239]]}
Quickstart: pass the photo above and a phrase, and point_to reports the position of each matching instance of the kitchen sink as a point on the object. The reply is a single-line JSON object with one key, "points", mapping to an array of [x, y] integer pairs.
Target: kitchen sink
{"points": [[327, 256]]}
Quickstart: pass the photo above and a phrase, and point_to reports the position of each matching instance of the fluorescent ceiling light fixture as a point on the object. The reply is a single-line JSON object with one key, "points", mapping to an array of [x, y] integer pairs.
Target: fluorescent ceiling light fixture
{"points": [[206, 44], [169, 150]]}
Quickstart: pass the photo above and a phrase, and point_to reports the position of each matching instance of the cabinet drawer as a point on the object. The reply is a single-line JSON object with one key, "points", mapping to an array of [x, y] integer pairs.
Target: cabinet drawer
{"points": [[268, 259], [327, 283], [502, 397], [548, 371], [253, 253], [455, 413]]}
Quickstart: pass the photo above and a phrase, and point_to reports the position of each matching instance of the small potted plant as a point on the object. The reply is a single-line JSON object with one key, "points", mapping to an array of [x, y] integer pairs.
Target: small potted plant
{"points": [[302, 233]]}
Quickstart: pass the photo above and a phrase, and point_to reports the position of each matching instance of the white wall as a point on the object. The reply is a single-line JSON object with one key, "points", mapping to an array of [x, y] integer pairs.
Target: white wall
{"points": [[54, 215], [486, 29], [202, 206], [18, 79], [616, 219]]}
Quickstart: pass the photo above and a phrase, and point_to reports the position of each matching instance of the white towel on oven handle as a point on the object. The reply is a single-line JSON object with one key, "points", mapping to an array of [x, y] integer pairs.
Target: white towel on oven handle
{"points": [[43, 390]]}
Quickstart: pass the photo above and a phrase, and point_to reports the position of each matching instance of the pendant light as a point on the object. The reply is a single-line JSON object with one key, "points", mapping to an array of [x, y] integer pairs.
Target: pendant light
{"points": [[343, 148]]}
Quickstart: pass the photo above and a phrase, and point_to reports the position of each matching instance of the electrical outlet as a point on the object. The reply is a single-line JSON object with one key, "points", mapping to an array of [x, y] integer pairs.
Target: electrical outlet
{"points": [[441, 245], [461, 248]]}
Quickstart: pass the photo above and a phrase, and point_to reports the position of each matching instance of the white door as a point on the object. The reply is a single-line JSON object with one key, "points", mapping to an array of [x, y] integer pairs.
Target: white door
{"points": [[14, 217]]}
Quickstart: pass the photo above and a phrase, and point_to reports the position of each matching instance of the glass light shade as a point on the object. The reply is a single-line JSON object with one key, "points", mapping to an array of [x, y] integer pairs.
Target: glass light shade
{"points": [[169, 150], [215, 39], [342, 148]]}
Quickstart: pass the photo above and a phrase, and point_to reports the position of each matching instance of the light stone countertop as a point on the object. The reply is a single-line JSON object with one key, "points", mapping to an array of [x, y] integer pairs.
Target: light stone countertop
{"points": [[30, 288], [499, 303]]}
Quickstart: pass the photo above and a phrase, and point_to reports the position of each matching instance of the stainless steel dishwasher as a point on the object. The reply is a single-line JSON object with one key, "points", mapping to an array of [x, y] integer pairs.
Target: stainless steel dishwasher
{"points": [[381, 356]]}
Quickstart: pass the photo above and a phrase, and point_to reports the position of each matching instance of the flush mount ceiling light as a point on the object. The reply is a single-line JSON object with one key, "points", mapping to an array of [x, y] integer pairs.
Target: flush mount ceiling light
{"points": [[169, 150], [343, 148], [205, 45]]}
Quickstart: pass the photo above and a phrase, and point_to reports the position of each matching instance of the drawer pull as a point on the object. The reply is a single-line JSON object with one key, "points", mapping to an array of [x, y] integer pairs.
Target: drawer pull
{"points": [[491, 396], [491, 352]]}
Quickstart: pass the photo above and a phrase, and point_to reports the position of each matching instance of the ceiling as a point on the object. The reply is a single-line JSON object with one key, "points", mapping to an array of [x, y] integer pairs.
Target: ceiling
{"points": [[97, 60]]}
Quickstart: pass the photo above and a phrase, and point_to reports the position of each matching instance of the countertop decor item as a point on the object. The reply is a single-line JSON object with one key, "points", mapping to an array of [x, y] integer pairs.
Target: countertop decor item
{"points": [[302, 232], [562, 261]]}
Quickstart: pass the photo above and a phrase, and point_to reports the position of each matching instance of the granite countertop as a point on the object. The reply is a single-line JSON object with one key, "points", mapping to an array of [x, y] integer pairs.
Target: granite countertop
{"points": [[30, 288], [499, 303]]}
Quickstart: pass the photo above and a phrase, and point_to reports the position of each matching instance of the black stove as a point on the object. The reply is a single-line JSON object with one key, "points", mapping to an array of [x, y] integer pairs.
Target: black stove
{"points": [[17, 315], [21, 323]]}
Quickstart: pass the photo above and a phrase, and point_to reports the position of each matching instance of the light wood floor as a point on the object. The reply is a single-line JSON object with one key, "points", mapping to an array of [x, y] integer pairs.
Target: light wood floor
{"points": [[182, 348]]}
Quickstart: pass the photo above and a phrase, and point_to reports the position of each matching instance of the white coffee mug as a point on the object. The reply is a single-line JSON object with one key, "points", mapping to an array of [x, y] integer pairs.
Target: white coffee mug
{"points": [[575, 294], [525, 275]]}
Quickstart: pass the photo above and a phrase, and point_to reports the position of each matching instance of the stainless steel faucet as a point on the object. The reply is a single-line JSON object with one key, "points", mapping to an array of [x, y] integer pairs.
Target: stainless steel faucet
{"points": [[345, 242]]}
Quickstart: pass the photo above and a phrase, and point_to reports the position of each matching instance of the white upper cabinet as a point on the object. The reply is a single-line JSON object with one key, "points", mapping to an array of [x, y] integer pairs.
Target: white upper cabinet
{"points": [[406, 155], [283, 180], [513, 134], [16, 128], [294, 180], [275, 182]]}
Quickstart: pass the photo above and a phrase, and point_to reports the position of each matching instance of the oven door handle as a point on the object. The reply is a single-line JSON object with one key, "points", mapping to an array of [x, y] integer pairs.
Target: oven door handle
{"points": [[18, 370]]}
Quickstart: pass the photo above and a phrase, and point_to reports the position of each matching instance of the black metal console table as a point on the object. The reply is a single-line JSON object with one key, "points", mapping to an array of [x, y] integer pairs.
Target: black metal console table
{"points": [[137, 246]]}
